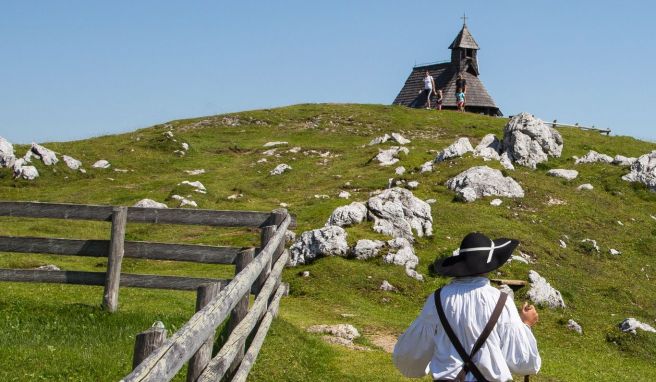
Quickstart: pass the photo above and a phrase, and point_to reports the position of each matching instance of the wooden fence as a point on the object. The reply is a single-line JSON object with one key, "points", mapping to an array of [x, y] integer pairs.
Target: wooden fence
{"points": [[257, 271]]}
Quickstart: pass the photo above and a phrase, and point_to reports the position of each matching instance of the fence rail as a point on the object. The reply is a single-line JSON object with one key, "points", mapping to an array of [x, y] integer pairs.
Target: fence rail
{"points": [[257, 270]]}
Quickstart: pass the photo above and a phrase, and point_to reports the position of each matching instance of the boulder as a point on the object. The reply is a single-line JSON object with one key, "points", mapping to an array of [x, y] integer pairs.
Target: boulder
{"points": [[7, 156], [594, 157], [379, 140], [397, 212], [404, 256], [574, 326], [621, 160], [426, 167], [25, 172], [585, 186], [386, 286], [149, 203], [390, 156], [399, 170], [101, 164], [326, 241], [400, 139], [643, 170], [631, 325], [72, 163], [488, 148], [506, 162], [456, 149], [281, 168], [365, 249], [541, 292], [529, 141], [47, 156], [354, 213], [562, 173], [482, 181]]}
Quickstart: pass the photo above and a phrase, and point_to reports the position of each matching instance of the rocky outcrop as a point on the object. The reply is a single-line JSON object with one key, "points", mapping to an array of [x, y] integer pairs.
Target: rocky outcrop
{"points": [[621, 160], [643, 170], [365, 249], [25, 172], [397, 212], [631, 325], [326, 241], [281, 168], [390, 156], [7, 156], [529, 141], [489, 148], [354, 213], [562, 173], [542, 293], [149, 203], [457, 149], [594, 157], [505, 161], [401, 253], [482, 181], [47, 156]]}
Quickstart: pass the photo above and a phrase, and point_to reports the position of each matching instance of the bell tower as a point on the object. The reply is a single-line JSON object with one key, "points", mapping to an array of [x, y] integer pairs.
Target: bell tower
{"points": [[464, 50]]}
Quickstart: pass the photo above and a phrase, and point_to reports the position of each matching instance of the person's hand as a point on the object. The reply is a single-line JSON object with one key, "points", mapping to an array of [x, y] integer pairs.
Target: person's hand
{"points": [[528, 314]]}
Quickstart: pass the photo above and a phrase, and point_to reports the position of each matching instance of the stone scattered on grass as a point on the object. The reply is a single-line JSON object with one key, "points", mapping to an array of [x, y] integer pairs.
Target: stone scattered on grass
{"points": [[496, 202], [276, 143], [354, 213], [184, 202], [235, 196], [426, 167], [321, 196], [614, 252], [399, 170], [48, 267], [592, 244], [326, 241], [365, 249], [488, 148], [390, 156], [305, 274], [413, 184], [529, 141], [562, 173], [397, 212], [71, 162], [431, 201], [47, 156], [542, 293], [574, 326], [562, 244], [400, 139], [345, 331], [7, 156], [404, 256], [643, 170], [386, 286], [481, 181], [631, 325], [101, 164], [295, 150], [25, 172], [344, 194], [270, 152], [594, 157], [457, 149], [281, 168], [621, 160], [506, 162], [149, 203], [195, 172], [196, 185], [379, 140], [585, 187]]}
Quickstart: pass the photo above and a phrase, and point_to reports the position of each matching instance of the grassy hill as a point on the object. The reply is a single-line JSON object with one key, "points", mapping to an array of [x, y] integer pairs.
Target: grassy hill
{"points": [[59, 332]]}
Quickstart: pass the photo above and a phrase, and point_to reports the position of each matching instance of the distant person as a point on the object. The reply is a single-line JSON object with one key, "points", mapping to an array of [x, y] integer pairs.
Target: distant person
{"points": [[461, 83], [429, 85], [469, 330], [460, 99], [440, 99]]}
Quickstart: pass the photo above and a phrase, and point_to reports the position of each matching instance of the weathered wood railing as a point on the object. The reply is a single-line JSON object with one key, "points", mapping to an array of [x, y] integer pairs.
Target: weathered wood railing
{"points": [[258, 270]]}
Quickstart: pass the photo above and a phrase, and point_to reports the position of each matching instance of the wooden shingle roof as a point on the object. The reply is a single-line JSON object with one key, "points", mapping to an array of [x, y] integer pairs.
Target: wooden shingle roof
{"points": [[464, 39]]}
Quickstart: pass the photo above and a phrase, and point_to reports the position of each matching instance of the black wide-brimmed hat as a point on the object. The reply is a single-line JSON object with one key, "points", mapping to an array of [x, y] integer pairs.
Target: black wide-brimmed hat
{"points": [[477, 254]]}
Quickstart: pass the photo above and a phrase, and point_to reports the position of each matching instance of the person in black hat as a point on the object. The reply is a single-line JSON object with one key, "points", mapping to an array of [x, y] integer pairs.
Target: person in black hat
{"points": [[469, 330]]}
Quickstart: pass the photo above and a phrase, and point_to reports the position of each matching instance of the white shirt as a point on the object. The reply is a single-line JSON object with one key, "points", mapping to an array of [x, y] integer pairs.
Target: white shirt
{"points": [[428, 83], [468, 303]]}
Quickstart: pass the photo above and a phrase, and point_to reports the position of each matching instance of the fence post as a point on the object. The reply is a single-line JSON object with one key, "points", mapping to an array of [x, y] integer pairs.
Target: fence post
{"points": [[241, 309], [114, 259], [147, 342], [265, 235], [279, 216], [204, 294]]}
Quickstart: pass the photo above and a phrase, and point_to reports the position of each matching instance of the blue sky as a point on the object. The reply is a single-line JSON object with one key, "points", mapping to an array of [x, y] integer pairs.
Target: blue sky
{"points": [[76, 69]]}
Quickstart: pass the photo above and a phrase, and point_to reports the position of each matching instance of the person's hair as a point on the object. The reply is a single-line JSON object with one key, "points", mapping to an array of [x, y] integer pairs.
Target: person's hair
{"points": [[459, 90]]}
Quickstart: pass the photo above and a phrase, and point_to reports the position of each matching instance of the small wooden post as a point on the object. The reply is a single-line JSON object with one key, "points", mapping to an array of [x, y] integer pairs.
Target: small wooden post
{"points": [[147, 342], [265, 235], [241, 309], [114, 259], [279, 216], [204, 294]]}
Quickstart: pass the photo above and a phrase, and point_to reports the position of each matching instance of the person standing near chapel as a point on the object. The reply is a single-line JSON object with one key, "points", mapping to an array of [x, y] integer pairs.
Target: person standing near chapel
{"points": [[460, 100], [461, 83], [429, 86], [469, 330]]}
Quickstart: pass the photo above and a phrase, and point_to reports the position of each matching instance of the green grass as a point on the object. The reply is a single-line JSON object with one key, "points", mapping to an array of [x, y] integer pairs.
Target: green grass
{"points": [[58, 332]]}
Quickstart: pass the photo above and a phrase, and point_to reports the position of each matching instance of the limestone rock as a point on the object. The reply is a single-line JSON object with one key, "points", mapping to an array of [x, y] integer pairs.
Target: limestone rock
{"points": [[426, 167], [413, 184], [585, 186], [379, 140], [48, 267], [631, 325], [281, 168], [386, 286], [496, 202], [273, 144], [562, 244], [456, 149], [197, 185], [614, 252], [149, 203], [594, 157], [397, 212], [7, 156], [621, 160], [25, 172], [543, 293], [482, 181], [346, 331], [562, 173], [290, 236], [390, 156], [399, 170], [573, 325], [505, 161], [184, 201], [72, 163], [365, 249], [305, 274], [354, 213], [47, 156], [488, 148], [400, 139], [101, 164], [404, 256], [344, 194], [529, 141], [643, 170], [326, 241], [269, 152], [593, 244]]}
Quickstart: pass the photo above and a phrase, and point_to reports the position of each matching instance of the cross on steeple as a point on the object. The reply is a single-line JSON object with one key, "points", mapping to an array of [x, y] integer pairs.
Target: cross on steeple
{"points": [[464, 18]]}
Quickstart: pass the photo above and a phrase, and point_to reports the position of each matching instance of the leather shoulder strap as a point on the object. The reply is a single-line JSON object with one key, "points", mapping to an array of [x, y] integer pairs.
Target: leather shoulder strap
{"points": [[496, 313]]}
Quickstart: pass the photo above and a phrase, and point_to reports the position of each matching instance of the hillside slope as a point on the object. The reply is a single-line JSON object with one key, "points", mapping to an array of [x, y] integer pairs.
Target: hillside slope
{"points": [[58, 332]]}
